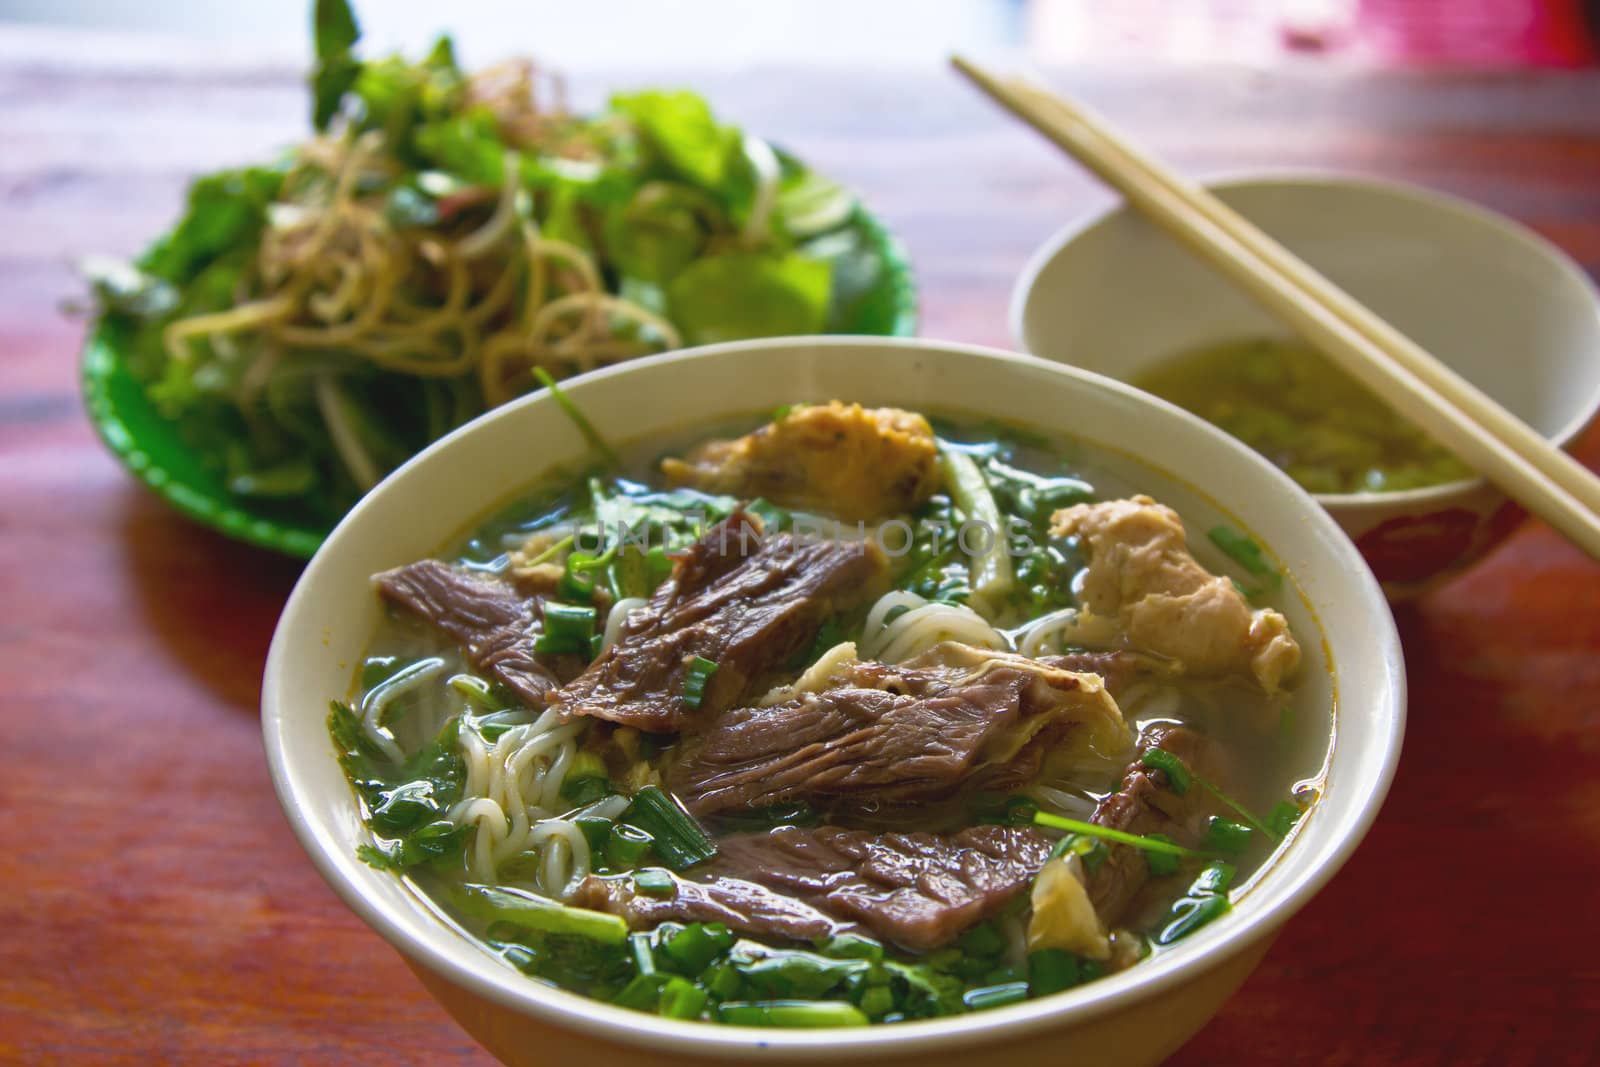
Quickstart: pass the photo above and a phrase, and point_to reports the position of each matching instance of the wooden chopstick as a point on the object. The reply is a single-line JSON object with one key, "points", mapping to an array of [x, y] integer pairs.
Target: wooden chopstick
{"points": [[1490, 439]]}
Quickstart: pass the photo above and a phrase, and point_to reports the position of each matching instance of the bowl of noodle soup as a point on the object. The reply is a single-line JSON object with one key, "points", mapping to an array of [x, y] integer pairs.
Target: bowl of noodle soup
{"points": [[472, 494]]}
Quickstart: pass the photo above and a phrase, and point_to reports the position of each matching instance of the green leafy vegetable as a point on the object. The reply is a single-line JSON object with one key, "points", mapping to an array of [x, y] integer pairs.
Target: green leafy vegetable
{"points": [[1051, 970], [655, 883], [747, 294], [995, 996], [1177, 772], [1206, 901], [1149, 844], [300, 363], [795, 1014], [677, 838], [567, 629], [407, 803], [695, 678], [1246, 553], [530, 911], [1224, 835], [335, 34]]}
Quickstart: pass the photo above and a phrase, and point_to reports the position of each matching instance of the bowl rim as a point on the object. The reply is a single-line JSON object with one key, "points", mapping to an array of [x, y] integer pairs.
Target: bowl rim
{"points": [[1506, 227], [606, 1022]]}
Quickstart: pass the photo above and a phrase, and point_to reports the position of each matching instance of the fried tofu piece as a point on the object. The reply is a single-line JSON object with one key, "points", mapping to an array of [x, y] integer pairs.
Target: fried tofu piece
{"points": [[1142, 575], [838, 459]]}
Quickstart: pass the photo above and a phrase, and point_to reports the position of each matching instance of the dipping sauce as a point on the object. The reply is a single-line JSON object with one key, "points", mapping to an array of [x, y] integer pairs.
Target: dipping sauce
{"points": [[1323, 428]]}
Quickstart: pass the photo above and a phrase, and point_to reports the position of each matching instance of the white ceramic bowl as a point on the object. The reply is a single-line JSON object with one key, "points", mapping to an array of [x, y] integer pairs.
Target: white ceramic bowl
{"points": [[1134, 1017], [1501, 305]]}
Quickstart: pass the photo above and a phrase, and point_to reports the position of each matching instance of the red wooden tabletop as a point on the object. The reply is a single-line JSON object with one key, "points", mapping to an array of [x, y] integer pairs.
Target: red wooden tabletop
{"points": [[153, 905]]}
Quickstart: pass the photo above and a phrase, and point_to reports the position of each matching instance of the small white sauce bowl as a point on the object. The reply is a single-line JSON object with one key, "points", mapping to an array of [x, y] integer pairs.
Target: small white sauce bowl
{"points": [[1498, 303]]}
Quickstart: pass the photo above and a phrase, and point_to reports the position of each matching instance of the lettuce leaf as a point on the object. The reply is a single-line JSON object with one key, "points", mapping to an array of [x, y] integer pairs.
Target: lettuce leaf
{"points": [[749, 294]]}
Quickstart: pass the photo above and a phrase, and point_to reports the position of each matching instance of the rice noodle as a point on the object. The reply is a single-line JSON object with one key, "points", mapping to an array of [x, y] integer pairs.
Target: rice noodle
{"points": [[512, 798], [921, 625], [616, 617], [1060, 802], [1042, 635], [377, 700]]}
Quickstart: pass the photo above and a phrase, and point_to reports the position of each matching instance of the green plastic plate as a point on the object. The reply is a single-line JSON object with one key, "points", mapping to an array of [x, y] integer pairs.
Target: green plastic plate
{"points": [[152, 447]]}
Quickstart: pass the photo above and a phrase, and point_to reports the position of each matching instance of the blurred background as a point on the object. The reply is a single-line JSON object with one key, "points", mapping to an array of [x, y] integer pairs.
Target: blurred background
{"points": [[606, 33]]}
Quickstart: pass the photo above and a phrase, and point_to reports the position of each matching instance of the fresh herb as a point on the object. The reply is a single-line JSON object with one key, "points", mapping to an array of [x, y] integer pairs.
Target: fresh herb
{"points": [[407, 804], [1206, 901], [529, 911], [985, 529], [1051, 970], [654, 882], [1226, 836], [681, 999], [1283, 818], [1244, 551], [568, 629], [300, 372], [1161, 864], [579, 419], [1175, 769], [1149, 844], [586, 779], [693, 948], [699, 672], [677, 838], [795, 1014], [995, 996]]}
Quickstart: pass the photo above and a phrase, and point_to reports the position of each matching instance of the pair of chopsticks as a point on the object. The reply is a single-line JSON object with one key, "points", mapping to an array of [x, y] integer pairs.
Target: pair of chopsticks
{"points": [[1444, 405]]}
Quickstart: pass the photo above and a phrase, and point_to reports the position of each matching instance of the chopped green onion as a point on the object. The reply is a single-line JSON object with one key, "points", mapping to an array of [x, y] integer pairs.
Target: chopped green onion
{"points": [[1237, 808], [723, 981], [1246, 553], [1091, 851], [626, 846], [1283, 818], [654, 882], [695, 679], [983, 940], [596, 831], [1177, 772], [1190, 914], [1050, 970], [1059, 822], [681, 999], [643, 993], [877, 1001], [586, 780], [1215, 878], [530, 912], [552, 552], [477, 691], [995, 996], [574, 585], [644, 956], [1161, 864], [658, 565], [1006, 972], [567, 628], [678, 839], [797, 1014], [991, 567], [579, 419], [692, 949], [1224, 835], [851, 947]]}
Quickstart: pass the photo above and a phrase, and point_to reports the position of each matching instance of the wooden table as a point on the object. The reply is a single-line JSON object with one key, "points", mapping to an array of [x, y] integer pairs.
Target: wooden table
{"points": [[153, 905]]}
